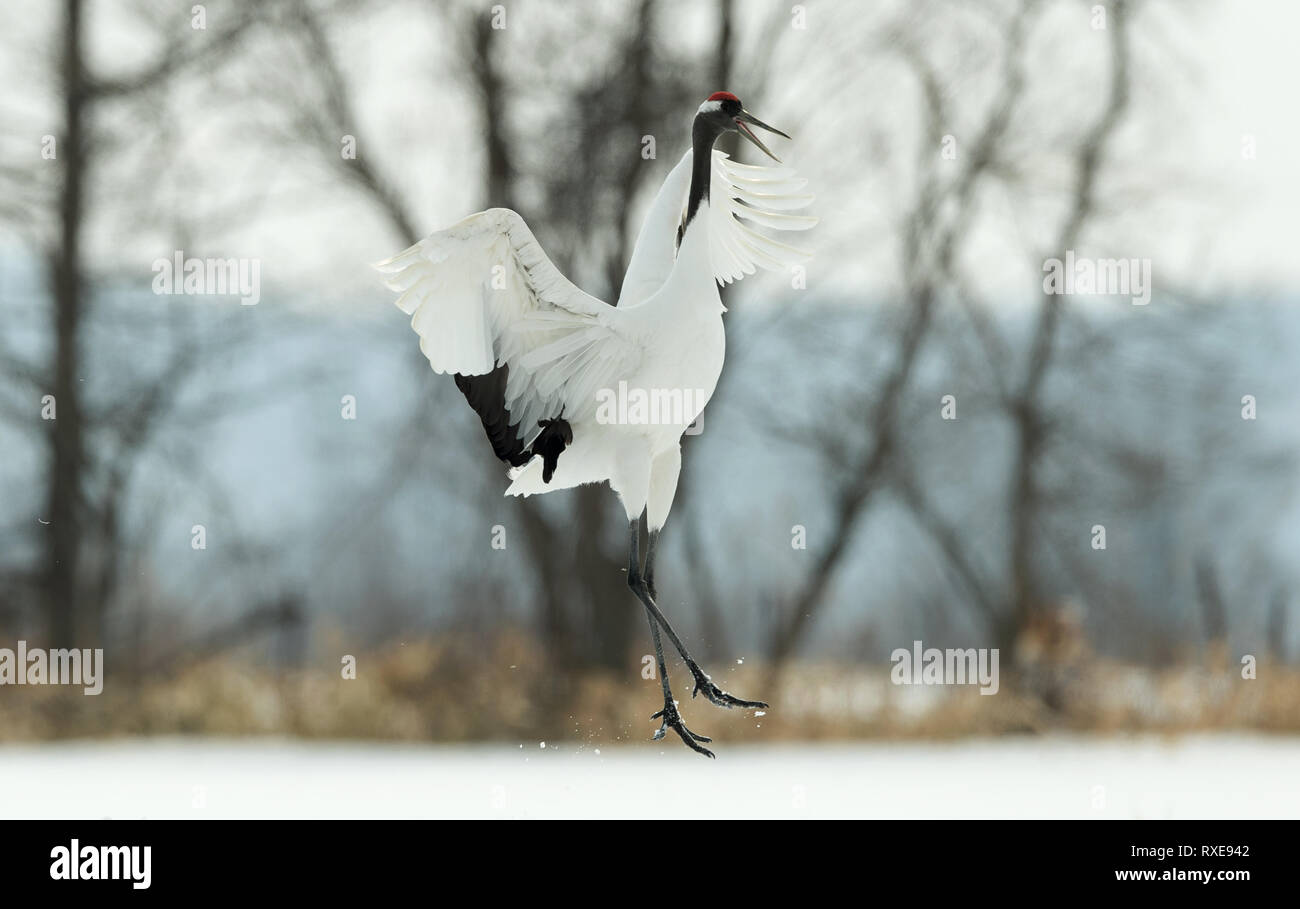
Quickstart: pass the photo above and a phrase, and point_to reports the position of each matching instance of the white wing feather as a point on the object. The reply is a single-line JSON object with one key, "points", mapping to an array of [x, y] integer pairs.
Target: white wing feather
{"points": [[763, 196], [483, 293], [738, 193]]}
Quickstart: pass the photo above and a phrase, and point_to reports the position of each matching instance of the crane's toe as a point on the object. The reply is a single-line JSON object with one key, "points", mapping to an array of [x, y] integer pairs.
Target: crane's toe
{"points": [[716, 695], [673, 720]]}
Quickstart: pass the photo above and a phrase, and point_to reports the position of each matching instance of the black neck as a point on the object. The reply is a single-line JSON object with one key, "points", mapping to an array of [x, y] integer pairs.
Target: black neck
{"points": [[703, 134]]}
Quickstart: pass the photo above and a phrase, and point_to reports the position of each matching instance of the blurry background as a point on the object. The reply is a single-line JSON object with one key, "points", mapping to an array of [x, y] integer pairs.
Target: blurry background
{"points": [[953, 147]]}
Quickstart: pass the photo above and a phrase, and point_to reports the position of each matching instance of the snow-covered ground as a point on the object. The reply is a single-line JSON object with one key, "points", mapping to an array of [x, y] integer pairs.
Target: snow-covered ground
{"points": [[1054, 777]]}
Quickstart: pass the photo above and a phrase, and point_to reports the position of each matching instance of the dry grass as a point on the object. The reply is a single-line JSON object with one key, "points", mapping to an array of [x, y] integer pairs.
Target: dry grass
{"points": [[452, 688]]}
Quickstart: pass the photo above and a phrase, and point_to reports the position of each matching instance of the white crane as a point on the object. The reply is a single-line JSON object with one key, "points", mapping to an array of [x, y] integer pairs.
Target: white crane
{"points": [[556, 375]]}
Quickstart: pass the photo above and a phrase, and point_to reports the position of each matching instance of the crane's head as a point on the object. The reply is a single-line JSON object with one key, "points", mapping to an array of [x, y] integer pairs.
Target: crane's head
{"points": [[724, 112]]}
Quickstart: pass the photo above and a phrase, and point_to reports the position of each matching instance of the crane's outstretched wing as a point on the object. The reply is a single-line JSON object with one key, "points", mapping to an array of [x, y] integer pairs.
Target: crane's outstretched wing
{"points": [[482, 295], [762, 196], [738, 193]]}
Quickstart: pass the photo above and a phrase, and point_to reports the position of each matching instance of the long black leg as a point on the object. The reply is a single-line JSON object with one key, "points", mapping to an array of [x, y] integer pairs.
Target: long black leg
{"points": [[650, 565], [669, 715], [644, 592]]}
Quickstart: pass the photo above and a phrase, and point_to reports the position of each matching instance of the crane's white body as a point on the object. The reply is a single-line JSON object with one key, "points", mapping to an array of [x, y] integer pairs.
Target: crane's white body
{"points": [[684, 346], [483, 293]]}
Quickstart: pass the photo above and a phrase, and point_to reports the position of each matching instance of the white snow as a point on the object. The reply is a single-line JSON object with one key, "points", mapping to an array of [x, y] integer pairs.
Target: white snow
{"points": [[1206, 776]]}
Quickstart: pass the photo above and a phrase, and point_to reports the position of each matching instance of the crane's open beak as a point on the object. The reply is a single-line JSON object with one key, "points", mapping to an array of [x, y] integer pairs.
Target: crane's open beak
{"points": [[745, 117]]}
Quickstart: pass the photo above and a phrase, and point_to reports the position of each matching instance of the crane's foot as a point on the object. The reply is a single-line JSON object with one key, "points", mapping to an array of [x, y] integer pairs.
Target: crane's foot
{"points": [[715, 695], [673, 720]]}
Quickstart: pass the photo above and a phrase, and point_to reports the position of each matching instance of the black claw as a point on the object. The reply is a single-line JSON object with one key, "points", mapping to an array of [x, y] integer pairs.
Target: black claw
{"points": [[689, 738], [716, 695], [673, 720]]}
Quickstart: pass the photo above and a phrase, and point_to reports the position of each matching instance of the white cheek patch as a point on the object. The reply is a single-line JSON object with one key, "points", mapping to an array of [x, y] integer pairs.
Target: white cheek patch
{"points": [[709, 107]]}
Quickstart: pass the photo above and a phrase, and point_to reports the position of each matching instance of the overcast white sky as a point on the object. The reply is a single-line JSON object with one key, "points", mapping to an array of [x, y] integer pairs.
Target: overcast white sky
{"points": [[1253, 73]]}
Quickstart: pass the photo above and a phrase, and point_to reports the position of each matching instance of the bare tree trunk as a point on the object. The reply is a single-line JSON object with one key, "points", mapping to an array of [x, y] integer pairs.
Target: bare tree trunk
{"points": [[1214, 617], [63, 483], [1277, 625], [1027, 419], [500, 175], [77, 523]]}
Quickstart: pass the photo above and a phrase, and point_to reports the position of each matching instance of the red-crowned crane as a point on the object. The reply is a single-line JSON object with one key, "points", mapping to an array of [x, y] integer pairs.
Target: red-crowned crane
{"points": [[551, 370]]}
